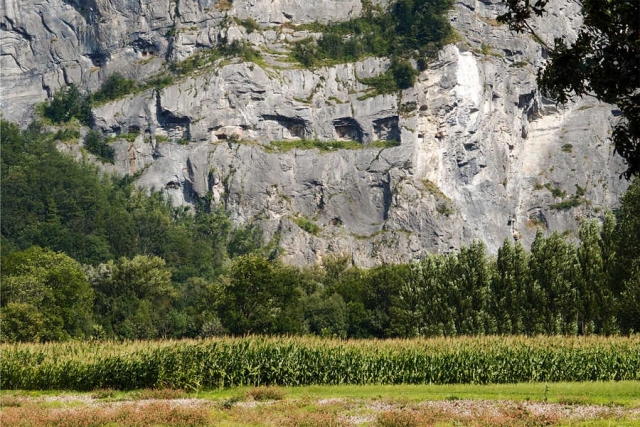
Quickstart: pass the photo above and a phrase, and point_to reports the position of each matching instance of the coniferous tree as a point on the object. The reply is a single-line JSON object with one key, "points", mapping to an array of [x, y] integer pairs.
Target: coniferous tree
{"points": [[630, 301], [608, 243]]}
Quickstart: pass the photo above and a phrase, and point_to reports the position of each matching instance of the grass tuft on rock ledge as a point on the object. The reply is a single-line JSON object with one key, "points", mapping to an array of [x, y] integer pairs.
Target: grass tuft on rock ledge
{"points": [[307, 225], [325, 146]]}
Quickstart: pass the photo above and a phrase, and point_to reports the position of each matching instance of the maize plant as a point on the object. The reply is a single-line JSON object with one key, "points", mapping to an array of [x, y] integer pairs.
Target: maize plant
{"points": [[256, 361]]}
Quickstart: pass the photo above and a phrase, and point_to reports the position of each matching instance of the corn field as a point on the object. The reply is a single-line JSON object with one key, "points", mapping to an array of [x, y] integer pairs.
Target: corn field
{"points": [[255, 361]]}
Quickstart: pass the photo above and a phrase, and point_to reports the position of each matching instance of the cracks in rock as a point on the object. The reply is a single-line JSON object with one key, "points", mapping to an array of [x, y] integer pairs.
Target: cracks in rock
{"points": [[188, 191], [22, 32], [44, 24], [90, 11], [226, 185], [528, 102], [46, 88], [319, 196], [87, 8], [15, 59], [387, 196], [376, 158], [19, 30], [462, 3]]}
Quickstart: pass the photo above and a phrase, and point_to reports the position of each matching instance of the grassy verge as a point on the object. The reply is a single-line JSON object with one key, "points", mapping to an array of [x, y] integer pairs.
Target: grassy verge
{"points": [[623, 393], [610, 393]]}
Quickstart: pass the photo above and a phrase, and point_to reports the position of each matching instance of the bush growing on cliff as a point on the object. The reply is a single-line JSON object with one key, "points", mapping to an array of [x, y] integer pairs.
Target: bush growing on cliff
{"points": [[115, 87], [408, 28], [95, 143], [400, 75], [66, 105]]}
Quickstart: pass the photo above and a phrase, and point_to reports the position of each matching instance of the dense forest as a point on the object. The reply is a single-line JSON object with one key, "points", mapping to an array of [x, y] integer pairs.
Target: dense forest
{"points": [[87, 255]]}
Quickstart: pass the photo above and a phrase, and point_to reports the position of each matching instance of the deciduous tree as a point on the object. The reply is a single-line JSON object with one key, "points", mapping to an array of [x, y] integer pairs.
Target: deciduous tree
{"points": [[45, 297]]}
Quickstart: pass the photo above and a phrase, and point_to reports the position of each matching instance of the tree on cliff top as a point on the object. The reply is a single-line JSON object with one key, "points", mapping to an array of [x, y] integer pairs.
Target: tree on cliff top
{"points": [[603, 61]]}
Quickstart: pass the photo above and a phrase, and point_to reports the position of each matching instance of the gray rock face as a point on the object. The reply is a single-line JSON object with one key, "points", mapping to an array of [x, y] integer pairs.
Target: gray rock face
{"points": [[481, 154]]}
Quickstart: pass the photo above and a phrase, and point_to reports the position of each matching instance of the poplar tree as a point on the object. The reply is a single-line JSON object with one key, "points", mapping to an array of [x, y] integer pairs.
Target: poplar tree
{"points": [[592, 279], [553, 266], [509, 284], [471, 287]]}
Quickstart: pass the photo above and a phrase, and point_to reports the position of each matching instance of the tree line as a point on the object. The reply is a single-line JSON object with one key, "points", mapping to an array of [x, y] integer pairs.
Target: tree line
{"points": [[89, 256]]}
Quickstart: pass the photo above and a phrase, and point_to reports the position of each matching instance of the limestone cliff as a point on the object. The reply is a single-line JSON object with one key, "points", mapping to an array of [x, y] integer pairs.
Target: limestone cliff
{"points": [[482, 154]]}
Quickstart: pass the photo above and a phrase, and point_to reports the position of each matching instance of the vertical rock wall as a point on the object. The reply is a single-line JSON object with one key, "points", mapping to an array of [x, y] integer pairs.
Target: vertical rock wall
{"points": [[481, 153]]}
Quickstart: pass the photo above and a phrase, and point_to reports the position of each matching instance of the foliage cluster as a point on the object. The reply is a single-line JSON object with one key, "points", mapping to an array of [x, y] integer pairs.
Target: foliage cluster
{"points": [[50, 201], [204, 58], [400, 75], [96, 144], [555, 191], [115, 87], [567, 148], [408, 26], [66, 134], [67, 105], [195, 61], [48, 297], [307, 225], [252, 361], [566, 204], [310, 144], [250, 24]]}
